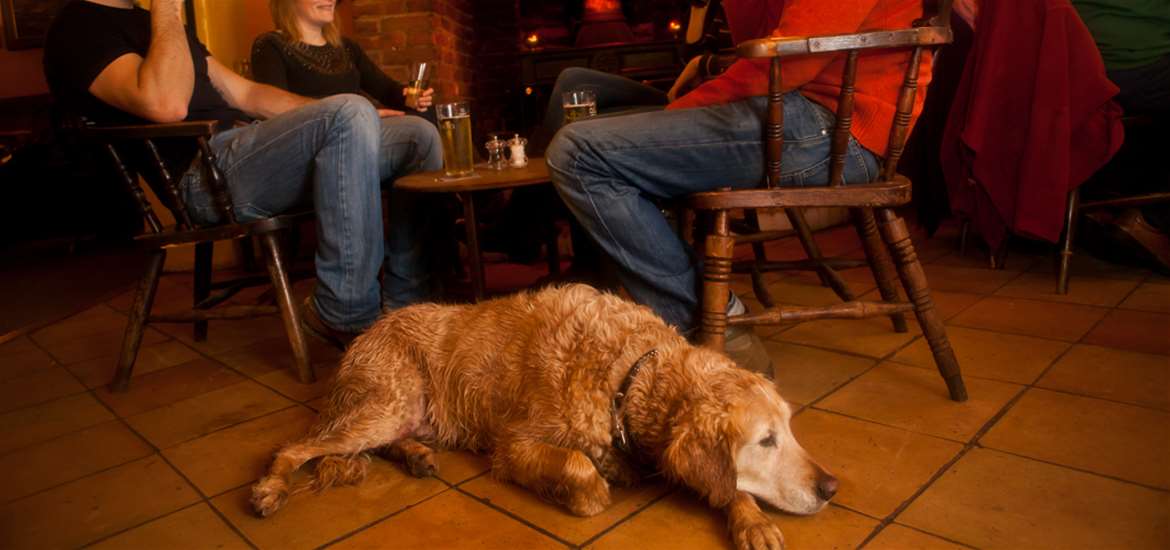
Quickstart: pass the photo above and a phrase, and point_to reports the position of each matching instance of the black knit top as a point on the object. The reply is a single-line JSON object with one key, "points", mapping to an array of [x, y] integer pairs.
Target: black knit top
{"points": [[320, 71]]}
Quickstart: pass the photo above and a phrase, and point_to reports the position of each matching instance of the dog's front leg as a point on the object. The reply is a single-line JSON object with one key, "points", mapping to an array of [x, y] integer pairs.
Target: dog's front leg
{"points": [[615, 468], [563, 475], [750, 528]]}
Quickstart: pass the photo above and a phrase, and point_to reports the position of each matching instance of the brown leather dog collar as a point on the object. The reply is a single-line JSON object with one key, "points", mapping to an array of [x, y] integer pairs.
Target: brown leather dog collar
{"points": [[622, 440]]}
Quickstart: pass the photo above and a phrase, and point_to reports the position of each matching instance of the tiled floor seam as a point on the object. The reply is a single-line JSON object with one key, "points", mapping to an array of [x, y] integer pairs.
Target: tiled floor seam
{"points": [[386, 517], [226, 426], [517, 517], [1075, 468], [626, 518], [912, 528], [970, 444]]}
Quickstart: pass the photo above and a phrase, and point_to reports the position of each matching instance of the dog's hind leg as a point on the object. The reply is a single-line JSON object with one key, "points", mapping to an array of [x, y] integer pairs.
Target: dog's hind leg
{"points": [[563, 475], [418, 458], [271, 492]]}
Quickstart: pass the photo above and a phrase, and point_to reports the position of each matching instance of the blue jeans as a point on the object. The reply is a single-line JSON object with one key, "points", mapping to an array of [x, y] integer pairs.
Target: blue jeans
{"points": [[610, 171], [333, 154]]}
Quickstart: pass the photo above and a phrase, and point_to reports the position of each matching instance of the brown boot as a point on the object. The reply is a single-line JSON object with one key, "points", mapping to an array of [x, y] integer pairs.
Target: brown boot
{"points": [[312, 323], [1131, 228]]}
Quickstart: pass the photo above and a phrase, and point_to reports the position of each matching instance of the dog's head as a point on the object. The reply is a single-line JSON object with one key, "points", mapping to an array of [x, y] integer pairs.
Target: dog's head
{"points": [[739, 438]]}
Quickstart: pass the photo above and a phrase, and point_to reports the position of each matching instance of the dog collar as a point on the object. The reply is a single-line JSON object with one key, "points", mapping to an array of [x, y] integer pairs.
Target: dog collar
{"points": [[622, 439]]}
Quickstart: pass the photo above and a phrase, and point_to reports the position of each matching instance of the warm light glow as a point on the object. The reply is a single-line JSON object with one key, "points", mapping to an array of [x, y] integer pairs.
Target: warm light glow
{"points": [[602, 6], [533, 39], [674, 26], [528, 90]]}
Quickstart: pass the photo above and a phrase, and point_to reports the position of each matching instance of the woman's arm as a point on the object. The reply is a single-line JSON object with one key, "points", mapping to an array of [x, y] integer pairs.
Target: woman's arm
{"points": [[375, 83], [267, 64]]}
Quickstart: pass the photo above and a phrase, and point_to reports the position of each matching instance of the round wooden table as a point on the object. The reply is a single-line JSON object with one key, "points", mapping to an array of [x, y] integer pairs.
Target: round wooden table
{"points": [[484, 179]]}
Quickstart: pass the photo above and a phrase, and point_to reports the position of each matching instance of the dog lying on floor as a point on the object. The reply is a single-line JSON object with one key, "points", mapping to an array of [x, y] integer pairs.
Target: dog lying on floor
{"points": [[569, 389]]}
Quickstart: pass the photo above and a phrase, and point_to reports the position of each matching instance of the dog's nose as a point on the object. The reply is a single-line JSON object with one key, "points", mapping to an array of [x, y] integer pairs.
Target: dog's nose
{"points": [[826, 487]]}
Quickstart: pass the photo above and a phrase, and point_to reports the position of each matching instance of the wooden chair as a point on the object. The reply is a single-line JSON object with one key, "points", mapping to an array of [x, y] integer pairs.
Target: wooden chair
{"points": [[881, 229], [1074, 208], [122, 143]]}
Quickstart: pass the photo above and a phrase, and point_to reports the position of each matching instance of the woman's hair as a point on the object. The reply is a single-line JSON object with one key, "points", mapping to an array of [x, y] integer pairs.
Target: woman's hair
{"points": [[285, 18]]}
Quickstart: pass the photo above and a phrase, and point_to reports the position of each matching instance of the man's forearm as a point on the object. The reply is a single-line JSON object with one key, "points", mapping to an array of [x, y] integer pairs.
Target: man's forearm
{"points": [[265, 101], [167, 74]]}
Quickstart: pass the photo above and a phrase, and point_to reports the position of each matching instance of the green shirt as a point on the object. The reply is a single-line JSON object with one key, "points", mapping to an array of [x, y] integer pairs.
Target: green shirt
{"points": [[1129, 33]]}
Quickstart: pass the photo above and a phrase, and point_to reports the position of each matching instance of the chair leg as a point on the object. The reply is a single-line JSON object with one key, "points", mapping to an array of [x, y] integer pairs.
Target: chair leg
{"points": [[139, 313], [879, 262], [203, 255], [719, 249], [897, 236], [1066, 244], [753, 220], [828, 276], [288, 310]]}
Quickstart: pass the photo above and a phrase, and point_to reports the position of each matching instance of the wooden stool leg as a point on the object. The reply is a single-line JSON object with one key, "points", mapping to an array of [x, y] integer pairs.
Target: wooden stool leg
{"points": [[828, 276], [203, 254], [1066, 244], [879, 262], [288, 309], [473, 255], [139, 313], [897, 236], [719, 249]]}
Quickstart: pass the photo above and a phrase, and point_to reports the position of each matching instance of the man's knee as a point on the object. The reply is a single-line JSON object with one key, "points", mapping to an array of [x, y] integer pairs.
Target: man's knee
{"points": [[564, 150], [352, 109]]}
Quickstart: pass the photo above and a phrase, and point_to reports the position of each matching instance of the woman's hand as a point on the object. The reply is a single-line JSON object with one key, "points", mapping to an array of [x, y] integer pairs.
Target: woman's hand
{"points": [[426, 98], [387, 113]]}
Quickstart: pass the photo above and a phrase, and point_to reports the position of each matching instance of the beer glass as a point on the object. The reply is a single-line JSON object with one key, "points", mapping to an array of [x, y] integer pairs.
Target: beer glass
{"points": [[455, 132], [420, 76], [578, 105]]}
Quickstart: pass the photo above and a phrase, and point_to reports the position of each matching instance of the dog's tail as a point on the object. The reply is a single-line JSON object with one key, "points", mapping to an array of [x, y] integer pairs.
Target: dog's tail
{"points": [[339, 470]]}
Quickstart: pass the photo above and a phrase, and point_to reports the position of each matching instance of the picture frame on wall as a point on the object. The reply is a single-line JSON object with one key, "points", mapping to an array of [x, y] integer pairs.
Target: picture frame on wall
{"points": [[27, 21]]}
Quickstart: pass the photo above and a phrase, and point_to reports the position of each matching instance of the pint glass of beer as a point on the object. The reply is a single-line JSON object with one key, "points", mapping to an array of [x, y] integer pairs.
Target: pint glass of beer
{"points": [[420, 76], [578, 104], [455, 131]]}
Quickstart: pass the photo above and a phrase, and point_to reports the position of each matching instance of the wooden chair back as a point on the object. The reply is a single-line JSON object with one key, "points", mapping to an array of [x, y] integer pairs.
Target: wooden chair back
{"points": [[931, 31]]}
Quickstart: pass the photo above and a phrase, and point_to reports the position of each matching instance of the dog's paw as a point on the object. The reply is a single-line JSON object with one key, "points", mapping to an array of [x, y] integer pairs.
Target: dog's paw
{"points": [[422, 465], [761, 535], [589, 498], [268, 495]]}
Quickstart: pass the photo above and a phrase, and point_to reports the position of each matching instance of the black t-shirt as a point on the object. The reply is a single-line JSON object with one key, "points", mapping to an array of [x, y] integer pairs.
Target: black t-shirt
{"points": [[321, 71], [86, 37]]}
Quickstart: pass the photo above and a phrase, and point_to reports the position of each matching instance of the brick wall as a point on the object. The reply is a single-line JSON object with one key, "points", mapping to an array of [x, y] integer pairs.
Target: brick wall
{"points": [[396, 33]]}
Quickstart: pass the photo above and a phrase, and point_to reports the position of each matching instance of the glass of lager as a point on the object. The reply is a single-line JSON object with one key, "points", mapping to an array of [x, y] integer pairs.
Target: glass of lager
{"points": [[455, 131], [578, 104], [420, 76]]}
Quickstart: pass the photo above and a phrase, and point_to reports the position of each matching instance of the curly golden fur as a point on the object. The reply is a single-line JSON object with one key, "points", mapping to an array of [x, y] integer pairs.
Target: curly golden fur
{"points": [[531, 378]]}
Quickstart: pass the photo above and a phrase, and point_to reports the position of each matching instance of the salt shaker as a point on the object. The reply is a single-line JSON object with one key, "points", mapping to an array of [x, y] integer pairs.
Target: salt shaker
{"points": [[519, 157]]}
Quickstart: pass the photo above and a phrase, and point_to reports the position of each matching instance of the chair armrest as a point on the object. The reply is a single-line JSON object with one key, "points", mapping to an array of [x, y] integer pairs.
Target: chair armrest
{"points": [[193, 129], [806, 45]]}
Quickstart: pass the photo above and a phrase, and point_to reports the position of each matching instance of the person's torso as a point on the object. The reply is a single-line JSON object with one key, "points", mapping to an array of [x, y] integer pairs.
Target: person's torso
{"points": [[1129, 33], [317, 71]]}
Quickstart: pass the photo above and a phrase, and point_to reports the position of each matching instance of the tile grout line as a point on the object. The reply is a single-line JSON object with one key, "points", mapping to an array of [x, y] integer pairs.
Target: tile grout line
{"points": [[975, 441], [366, 526], [613, 526], [509, 513]]}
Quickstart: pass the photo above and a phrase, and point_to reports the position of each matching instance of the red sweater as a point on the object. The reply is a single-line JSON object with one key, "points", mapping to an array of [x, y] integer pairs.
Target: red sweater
{"points": [[879, 74]]}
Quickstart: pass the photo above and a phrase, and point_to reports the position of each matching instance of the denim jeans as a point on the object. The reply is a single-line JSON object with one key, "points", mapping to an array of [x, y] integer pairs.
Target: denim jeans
{"points": [[332, 154], [610, 171]]}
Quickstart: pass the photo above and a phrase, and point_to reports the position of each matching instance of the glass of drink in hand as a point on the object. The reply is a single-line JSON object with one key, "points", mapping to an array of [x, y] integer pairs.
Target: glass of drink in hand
{"points": [[578, 105], [455, 132], [420, 76]]}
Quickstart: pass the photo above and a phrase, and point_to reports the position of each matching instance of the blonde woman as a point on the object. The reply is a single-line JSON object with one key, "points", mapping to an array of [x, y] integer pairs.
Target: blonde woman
{"points": [[307, 55]]}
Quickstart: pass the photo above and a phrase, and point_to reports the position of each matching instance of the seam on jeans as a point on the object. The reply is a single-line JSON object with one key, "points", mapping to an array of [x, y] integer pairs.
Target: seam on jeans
{"points": [[257, 150], [601, 219]]}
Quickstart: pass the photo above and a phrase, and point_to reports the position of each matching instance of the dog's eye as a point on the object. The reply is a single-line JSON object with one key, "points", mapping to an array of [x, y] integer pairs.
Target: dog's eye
{"points": [[769, 441]]}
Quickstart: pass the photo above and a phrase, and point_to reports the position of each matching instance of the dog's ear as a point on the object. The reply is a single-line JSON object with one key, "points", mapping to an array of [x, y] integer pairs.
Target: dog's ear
{"points": [[701, 459]]}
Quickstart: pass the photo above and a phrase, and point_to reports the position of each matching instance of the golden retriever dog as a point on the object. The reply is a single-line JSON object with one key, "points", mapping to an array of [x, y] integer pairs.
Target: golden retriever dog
{"points": [[569, 389]]}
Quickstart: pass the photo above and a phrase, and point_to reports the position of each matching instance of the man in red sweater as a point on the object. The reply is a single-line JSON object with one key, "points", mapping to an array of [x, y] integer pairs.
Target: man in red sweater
{"points": [[610, 170]]}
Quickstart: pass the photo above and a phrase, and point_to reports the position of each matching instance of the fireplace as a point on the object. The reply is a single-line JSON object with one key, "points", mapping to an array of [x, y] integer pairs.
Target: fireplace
{"points": [[603, 24]]}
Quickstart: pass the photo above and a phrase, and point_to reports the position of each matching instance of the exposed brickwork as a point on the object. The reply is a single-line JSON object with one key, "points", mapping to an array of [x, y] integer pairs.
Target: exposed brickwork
{"points": [[396, 33]]}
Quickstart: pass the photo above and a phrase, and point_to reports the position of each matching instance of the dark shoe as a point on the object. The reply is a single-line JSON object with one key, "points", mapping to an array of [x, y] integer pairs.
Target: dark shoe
{"points": [[312, 323], [1133, 230], [746, 348]]}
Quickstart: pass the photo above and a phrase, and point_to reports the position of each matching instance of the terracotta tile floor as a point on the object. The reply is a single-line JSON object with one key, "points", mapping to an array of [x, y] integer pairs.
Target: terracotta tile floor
{"points": [[1064, 442]]}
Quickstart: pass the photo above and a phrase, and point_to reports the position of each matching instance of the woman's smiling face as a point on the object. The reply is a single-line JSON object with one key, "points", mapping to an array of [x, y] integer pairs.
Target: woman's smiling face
{"points": [[316, 12]]}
